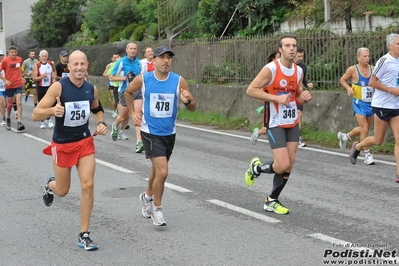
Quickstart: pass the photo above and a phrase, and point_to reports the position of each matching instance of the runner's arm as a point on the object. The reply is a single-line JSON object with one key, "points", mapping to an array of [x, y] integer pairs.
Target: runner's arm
{"points": [[46, 108], [186, 97], [255, 89], [35, 73]]}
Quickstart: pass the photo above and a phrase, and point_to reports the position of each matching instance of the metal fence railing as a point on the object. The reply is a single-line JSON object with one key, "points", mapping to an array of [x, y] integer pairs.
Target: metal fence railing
{"points": [[237, 60]]}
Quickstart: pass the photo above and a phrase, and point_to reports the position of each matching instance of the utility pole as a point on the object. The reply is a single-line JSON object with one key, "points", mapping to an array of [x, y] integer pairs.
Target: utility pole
{"points": [[327, 13]]}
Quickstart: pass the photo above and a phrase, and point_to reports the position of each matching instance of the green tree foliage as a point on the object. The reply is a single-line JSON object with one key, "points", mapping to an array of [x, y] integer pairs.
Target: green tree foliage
{"points": [[53, 21], [311, 12], [253, 17], [186, 12], [346, 9], [98, 18], [127, 12], [147, 10], [139, 33], [262, 16], [383, 8], [148, 13], [102, 16], [214, 16]]}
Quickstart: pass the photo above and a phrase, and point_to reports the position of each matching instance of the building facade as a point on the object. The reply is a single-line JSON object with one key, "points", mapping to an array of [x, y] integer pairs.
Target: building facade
{"points": [[15, 18]]}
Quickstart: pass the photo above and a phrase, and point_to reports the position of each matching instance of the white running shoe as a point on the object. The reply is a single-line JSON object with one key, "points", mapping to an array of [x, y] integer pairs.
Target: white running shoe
{"points": [[255, 136], [147, 206], [300, 143], [3, 122], [16, 114], [50, 123], [157, 217], [368, 159], [342, 141], [122, 135], [42, 125], [114, 114]]}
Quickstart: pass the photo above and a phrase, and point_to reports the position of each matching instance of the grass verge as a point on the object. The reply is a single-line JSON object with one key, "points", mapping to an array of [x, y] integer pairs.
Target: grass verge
{"points": [[105, 97], [310, 133]]}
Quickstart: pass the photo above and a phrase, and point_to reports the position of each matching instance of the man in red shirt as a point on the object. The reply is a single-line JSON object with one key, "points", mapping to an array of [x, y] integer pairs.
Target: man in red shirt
{"points": [[13, 80]]}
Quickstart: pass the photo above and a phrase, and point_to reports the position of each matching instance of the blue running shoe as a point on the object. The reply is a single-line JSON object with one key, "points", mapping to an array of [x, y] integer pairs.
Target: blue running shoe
{"points": [[85, 242], [48, 195]]}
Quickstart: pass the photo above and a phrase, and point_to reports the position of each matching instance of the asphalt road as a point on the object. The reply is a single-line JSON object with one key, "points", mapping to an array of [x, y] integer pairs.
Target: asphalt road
{"points": [[337, 210]]}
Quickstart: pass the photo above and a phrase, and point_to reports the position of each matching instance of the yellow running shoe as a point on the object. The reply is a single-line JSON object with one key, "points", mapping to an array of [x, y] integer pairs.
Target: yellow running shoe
{"points": [[249, 174], [275, 206]]}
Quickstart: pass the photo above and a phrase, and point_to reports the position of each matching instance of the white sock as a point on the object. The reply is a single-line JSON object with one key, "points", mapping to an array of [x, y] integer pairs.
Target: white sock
{"points": [[147, 197], [270, 199], [255, 170]]}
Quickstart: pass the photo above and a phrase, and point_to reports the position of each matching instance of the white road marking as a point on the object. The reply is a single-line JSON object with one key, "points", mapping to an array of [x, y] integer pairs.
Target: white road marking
{"points": [[266, 141], [329, 239], [256, 215], [113, 166], [174, 187], [177, 188], [104, 163], [35, 138]]}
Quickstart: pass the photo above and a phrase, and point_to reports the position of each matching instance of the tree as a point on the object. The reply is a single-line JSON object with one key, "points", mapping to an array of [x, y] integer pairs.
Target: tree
{"points": [[351, 8], [345, 7], [254, 17], [105, 19], [263, 16], [99, 18], [53, 21], [214, 16], [148, 10], [312, 12]]}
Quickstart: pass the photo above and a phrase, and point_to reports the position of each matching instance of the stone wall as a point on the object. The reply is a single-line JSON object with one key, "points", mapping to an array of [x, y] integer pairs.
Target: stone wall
{"points": [[367, 22]]}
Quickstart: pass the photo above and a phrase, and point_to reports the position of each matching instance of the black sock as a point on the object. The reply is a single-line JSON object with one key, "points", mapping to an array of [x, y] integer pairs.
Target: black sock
{"points": [[14, 105], [279, 182], [266, 167], [82, 233]]}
